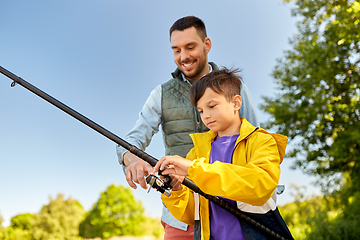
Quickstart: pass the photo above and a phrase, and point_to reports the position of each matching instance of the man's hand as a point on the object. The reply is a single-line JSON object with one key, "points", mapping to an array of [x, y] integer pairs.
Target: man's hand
{"points": [[136, 171]]}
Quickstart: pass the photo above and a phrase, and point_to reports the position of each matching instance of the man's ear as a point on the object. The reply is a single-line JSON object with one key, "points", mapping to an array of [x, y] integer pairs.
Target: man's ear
{"points": [[237, 101], [207, 42]]}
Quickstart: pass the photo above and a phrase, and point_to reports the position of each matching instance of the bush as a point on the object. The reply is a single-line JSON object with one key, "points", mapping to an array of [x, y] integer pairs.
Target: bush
{"points": [[59, 219], [116, 213]]}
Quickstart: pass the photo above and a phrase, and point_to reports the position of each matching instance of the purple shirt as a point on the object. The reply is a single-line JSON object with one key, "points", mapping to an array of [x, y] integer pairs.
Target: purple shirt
{"points": [[223, 225]]}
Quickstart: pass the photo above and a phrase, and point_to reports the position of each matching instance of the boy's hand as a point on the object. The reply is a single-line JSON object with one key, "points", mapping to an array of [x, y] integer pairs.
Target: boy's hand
{"points": [[174, 165], [176, 182]]}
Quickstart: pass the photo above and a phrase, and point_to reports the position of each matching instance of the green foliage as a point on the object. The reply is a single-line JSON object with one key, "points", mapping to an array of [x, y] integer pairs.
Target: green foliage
{"points": [[318, 90], [317, 106], [298, 215], [335, 216], [58, 220], [19, 228], [22, 221], [342, 223], [116, 213], [152, 227], [11, 233], [1, 221]]}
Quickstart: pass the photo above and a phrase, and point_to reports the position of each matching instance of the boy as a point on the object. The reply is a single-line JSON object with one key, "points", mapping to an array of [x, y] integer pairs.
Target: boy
{"points": [[234, 160]]}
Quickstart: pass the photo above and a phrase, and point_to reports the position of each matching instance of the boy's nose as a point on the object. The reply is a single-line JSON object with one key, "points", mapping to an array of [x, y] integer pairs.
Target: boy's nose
{"points": [[205, 115]]}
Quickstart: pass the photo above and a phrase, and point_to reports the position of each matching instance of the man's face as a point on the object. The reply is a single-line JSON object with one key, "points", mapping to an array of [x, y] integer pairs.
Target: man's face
{"points": [[190, 53]]}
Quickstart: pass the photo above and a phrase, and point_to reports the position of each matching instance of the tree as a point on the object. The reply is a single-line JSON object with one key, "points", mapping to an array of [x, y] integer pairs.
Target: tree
{"points": [[1, 220], [59, 219], [22, 221], [317, 102], [19, 228], [116, 213], [10, 233], [334, 216]]}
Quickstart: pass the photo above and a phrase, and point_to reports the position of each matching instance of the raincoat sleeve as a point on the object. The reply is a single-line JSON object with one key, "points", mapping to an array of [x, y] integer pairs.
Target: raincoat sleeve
{"points": [[181, 204], [252, 183]]}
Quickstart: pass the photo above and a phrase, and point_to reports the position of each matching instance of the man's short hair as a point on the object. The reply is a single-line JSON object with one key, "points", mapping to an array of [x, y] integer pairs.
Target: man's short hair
{"points": [[224, 81], [188, 22]]}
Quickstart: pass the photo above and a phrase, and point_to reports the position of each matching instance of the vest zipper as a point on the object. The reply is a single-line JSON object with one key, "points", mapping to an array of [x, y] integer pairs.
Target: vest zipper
{"points": [[198, 128], [197, 117]]}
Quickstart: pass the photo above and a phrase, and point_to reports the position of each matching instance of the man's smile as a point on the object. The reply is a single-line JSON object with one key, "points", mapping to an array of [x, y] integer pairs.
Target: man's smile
{"points": [[188, 65]]}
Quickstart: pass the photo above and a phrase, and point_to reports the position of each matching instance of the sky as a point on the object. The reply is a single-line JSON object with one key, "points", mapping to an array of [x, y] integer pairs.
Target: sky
{"points": [[103, 58]]}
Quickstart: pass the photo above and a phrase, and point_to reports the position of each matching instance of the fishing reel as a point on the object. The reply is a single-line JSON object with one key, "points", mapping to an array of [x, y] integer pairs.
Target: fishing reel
{"points": [[162, 186]]}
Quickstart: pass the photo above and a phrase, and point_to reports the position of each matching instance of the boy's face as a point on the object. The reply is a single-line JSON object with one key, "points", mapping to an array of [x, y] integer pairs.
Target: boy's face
{"points": [[218, 114]]}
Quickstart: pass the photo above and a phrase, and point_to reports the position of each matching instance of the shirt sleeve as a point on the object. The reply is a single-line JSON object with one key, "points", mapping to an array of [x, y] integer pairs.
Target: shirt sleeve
{"points": [[146, 126], [247, 109]]}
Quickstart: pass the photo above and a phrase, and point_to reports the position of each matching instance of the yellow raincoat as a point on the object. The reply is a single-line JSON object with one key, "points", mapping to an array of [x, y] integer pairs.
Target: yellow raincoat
{"points": [[251, 179]]}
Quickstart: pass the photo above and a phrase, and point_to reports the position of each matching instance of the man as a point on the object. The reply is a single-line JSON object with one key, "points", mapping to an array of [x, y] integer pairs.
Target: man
{"points": [[169, 105]]}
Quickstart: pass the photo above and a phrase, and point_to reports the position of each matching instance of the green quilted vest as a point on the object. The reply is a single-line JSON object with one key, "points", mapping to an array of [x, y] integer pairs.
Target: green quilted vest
{"points": [[179, 117]]}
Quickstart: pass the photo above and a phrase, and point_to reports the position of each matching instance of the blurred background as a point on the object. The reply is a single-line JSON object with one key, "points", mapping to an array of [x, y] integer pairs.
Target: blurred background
{"points": [[103, 58]]}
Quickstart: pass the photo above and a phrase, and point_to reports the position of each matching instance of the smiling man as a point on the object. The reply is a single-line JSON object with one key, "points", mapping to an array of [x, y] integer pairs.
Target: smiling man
{"points": [[190, 48], [169, 106]]}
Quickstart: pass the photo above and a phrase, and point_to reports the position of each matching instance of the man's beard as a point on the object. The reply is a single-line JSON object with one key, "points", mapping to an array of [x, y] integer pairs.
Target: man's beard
{"points": [[198, 70], [196, 73]]}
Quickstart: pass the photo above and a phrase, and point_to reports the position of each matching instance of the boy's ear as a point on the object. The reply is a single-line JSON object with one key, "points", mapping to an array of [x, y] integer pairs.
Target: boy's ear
{"points": [[237, 101]]}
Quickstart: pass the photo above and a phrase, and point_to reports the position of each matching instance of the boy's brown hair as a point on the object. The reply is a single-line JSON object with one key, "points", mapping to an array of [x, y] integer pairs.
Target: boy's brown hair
{"points": [[224, 81]]}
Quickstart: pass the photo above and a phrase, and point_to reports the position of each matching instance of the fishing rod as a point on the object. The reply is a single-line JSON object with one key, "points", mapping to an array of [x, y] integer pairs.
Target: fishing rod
{"points": [[138, 152]]}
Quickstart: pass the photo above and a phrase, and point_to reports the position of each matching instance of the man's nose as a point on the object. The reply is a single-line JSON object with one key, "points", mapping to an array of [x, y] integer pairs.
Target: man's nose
{"points": [[184, 55]]}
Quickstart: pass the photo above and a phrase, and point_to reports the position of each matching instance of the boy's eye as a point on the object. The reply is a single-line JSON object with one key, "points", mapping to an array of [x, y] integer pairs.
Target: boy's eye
{"points": [[212, 106]]}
